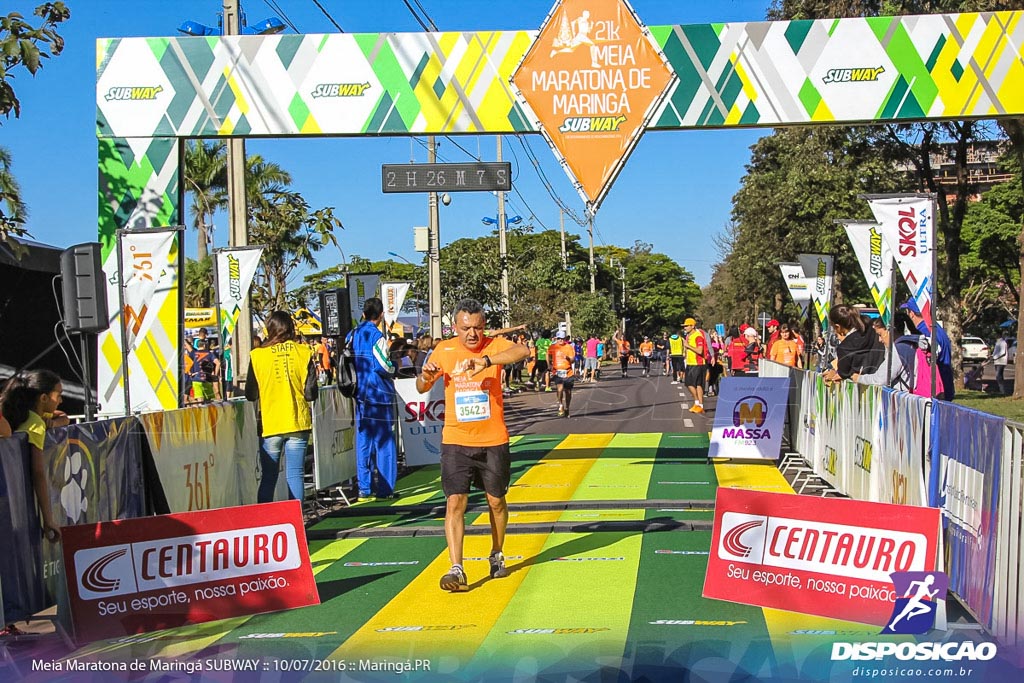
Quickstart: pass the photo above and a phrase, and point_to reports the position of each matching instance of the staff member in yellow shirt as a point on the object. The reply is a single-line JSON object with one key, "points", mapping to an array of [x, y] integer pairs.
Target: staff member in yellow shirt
{"points": [[277, 376]]}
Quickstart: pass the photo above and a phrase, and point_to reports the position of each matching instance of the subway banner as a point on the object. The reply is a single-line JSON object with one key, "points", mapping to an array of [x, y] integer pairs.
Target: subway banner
{"points": [[207, 456], [967, 447], [907, 223], [235, 268], [875, 259], [148, 304], [422, 419], [829, 557], [361, 288], [334, 438], [135, 576], [818, 271], [749, 418]]}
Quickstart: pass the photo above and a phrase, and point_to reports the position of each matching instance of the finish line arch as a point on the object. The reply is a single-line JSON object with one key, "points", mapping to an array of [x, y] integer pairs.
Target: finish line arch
{"points": [[154, 93]]}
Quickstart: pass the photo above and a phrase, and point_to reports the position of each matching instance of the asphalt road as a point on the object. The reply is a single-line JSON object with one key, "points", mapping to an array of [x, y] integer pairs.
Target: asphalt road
{"points": [[633, 404]]}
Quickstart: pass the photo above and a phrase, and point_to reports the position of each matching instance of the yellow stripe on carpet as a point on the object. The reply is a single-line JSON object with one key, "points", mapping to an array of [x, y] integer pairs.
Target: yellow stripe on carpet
{"points": [[760, 476], [424, 618]]}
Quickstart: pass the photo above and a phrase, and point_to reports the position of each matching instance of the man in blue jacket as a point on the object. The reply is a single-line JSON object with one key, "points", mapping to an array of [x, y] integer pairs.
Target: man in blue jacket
{"points": [[375, 397], [945, 357]]}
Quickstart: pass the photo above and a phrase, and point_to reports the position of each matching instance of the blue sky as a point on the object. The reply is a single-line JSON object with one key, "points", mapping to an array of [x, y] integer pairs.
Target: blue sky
{"points": [[674, 192]]}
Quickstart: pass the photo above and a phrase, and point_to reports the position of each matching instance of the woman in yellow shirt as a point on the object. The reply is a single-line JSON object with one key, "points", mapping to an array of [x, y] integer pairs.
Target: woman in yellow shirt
{"points": [[277, 376], [30, 401]]}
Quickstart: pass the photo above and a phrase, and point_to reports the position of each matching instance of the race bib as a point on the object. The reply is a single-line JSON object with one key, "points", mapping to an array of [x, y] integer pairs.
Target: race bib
{"points": [[562, 373], [472, 406]]}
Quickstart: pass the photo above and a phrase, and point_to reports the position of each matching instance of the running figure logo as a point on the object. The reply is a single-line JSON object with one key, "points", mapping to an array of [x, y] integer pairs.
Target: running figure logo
{"points": [[573, 34], [914, 613]]}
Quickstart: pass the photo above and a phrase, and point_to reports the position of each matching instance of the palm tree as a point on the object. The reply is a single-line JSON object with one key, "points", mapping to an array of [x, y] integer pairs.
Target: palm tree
{"points": [[263, 179], [206, 182]]}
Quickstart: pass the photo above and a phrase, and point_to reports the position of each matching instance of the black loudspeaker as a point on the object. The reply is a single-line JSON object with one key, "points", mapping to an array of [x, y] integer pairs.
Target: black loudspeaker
{"points": [[85, 288], [335, 312]]}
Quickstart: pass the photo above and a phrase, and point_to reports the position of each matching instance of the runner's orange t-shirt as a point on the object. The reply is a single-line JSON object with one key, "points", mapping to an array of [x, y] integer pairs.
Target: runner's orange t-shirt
{"points": [[473, 406], [562, 355], [646, 348], [785, 351]]}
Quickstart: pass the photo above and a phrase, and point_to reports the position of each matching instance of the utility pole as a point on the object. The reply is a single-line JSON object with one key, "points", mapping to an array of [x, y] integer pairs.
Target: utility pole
{"points": [[622, 274], [434, 253], [238, 229], [506, 314], [590, 231], [561, 225]]}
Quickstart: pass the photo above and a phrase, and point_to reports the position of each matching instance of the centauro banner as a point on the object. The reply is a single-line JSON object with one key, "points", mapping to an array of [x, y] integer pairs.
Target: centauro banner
{"points": [[799, 286], [150, 309], [139, 575], [875, 260], [825, 556], [818, 270], [235, 269], [593, 77], [907, 222]]}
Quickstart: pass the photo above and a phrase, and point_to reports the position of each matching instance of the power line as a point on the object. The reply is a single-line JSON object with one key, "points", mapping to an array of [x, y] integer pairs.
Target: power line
{"points": [[535, 162], [328, 15], [276, 8], [416, 16]]}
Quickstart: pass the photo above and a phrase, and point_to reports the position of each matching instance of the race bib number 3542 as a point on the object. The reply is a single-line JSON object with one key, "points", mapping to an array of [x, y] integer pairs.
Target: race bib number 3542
{"points": [[472, 406]]}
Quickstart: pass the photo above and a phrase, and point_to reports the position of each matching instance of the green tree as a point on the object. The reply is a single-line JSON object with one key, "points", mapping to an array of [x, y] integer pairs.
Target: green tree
{"points": [[22, 45], [206, 183], [592, 314]]}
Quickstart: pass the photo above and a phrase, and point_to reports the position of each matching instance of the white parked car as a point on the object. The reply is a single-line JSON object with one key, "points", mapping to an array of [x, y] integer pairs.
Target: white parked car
{"points": [[974, 348]]}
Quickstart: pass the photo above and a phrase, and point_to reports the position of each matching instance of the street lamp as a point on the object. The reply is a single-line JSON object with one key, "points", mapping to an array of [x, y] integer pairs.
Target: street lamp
{"points": [[399, 256], [506, 301], [266, 27]]}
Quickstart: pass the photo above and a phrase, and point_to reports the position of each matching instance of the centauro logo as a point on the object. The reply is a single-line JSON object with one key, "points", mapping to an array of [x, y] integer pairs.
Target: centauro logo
{"points": [[853, 75], [340, 89], [133, 93], [591, 124]]}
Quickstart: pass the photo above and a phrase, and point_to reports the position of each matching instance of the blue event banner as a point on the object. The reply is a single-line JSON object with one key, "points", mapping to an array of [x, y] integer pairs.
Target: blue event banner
{"points": [[749, 418], [964, 483]]}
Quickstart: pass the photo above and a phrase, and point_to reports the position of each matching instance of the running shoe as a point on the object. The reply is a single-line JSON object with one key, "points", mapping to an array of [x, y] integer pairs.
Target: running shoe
{"points": [[549, 389], [455, 580], [675, 382], [561, 412], [697, 409], [497, 561]]}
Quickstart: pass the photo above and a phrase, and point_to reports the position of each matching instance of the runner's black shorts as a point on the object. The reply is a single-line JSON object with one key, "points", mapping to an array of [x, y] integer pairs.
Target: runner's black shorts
{"points": [[485, 467], [677, 364], [566, 381], [695, 375], [540, 366]]}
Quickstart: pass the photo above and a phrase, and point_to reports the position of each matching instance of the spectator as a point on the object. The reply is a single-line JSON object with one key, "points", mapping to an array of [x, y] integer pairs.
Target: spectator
{"points": [[897, 376], [204, 371], [5, 427], [31, 402], [1000, 357], [752, 352], [944, 357], [277, 377], [859, 351], [785, 349]]}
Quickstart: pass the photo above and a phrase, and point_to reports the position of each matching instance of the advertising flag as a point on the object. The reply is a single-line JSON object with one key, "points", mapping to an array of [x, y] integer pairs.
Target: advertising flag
{"points": [[831, 557], [798, 285], [150, 320], [818, 269], [875, 260], [393, 295], [907, 223], [235, 270], [361, 288]]}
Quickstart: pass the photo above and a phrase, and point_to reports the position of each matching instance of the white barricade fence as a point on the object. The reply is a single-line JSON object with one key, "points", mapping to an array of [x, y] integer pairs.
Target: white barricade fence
{"points": [[422, 419], [334, 438], [859, 425], [828, 450], [207, 456], [904, 448], [1008, 603]]}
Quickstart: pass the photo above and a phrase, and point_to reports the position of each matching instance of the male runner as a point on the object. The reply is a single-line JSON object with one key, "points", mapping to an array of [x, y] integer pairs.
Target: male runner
{"points": [[661, 353], [561, 354], [696, 358], [541, 366], [675, 347], [474, 442]]}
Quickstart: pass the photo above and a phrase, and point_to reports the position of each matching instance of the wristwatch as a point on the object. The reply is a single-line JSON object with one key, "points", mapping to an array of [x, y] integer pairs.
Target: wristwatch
{"points": [[487, 359]]}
